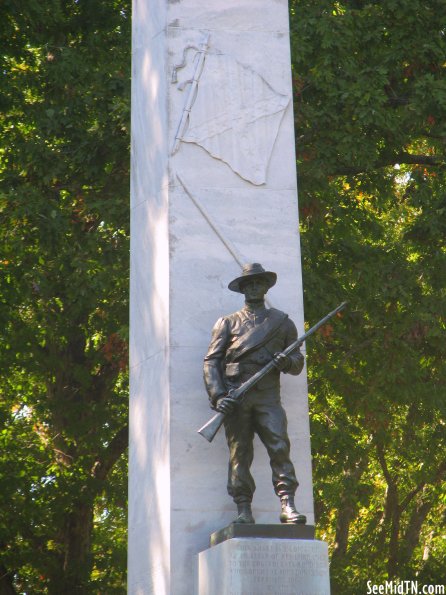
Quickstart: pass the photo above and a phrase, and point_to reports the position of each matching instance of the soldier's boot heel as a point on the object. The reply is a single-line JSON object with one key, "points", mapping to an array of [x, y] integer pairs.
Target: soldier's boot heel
{"points": [[289, 513]]}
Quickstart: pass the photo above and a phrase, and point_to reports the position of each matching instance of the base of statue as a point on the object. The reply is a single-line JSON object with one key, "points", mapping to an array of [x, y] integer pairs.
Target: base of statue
{"points": [[273, 559]]}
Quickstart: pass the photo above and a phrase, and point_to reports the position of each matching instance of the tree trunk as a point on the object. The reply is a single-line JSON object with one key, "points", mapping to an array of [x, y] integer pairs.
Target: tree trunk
{"points": [[6, 584], [345, 516], [393, 562], [347, 509], [74, 574], [392, 513], [412, 535]]}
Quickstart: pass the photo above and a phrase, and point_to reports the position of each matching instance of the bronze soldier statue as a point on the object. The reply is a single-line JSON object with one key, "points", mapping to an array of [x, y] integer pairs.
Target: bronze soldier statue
{"points": [[242, 343]]}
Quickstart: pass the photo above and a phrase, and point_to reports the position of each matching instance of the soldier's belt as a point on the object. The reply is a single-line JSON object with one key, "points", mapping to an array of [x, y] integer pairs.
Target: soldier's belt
{"points": [[235, 371]]}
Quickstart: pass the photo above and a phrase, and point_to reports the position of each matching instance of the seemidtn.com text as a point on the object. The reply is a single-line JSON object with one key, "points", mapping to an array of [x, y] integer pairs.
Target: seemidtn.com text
{"points": [[404, 588]]}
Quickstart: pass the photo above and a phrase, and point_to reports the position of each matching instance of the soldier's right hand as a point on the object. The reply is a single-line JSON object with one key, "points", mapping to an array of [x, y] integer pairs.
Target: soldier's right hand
{"points": [[225, 405]]}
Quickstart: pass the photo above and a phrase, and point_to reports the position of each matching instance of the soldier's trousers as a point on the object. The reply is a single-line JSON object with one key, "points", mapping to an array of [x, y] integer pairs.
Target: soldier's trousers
{"points": [[260, 413]]}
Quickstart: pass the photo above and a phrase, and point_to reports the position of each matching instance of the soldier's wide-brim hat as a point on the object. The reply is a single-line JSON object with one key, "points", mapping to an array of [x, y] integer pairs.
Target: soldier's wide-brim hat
{"points": [[251, 271]]}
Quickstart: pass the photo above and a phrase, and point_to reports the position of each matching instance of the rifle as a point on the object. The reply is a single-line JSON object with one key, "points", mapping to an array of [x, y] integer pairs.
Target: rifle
{"points": [[210, 429]]}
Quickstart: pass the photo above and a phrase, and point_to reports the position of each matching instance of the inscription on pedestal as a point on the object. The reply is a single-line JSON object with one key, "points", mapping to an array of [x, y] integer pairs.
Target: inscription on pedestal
{"points": [[266, 567], [272, 568]]}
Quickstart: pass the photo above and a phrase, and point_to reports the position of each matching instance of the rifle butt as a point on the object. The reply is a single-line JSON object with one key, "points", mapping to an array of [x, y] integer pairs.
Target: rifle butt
{"points": [[210, 429]]}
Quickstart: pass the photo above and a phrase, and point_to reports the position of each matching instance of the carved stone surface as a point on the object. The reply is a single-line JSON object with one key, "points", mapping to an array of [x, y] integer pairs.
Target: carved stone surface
{"points": [[233, 113], [265, 567], [194, 221]]}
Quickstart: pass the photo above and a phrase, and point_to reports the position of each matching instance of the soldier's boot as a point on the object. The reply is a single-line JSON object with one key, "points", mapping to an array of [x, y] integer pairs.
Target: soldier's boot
{"points": [[244, 513], [289, 513]]}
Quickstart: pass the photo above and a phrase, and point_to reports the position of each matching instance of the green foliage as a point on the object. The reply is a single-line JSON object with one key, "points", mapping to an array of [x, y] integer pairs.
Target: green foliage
{"points": [[64, 164], [370, 105]]}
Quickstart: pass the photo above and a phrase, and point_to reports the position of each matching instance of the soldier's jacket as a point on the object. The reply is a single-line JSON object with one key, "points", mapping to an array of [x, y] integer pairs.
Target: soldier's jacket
{"points": [[242, 343]]}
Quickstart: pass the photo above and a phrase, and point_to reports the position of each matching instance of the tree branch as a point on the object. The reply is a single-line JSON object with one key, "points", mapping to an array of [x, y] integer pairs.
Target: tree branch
{"points": [[438, 476], [402, 158], [412, 159], [111, 454], [383, 463], [405, 503]]}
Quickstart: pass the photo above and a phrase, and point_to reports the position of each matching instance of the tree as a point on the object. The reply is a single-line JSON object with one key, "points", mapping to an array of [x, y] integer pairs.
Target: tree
{"points": [[370, 97], [63, 289], [370, 103]]}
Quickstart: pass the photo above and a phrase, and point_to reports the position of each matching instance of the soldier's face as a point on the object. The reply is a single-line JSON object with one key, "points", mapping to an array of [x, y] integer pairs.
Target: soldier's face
{"points": [[254, 289]]}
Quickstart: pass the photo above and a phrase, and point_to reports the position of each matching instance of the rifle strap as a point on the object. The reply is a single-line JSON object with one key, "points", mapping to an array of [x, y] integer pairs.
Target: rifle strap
{"points": [[257, 336]]}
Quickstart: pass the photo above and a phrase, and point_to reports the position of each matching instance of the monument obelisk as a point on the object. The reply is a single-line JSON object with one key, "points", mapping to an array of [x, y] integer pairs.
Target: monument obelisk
{"points": [[213, 187]]}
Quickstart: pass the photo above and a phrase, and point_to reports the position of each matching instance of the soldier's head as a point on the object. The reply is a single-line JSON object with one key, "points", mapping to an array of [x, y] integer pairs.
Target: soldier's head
{"points": [[254, 282], [254, 290]]}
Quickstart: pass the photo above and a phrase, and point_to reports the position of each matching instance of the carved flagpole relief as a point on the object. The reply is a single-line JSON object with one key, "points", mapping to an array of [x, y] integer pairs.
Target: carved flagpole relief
{"points": [[198, 69], [229, 246]]}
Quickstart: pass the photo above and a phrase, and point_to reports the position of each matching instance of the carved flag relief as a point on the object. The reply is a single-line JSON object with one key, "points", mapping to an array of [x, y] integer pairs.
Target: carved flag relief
{"points": [[235, 116]]}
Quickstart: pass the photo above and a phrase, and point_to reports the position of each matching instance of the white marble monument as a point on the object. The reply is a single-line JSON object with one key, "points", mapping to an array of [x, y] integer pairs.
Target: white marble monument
{"points": [[213, 187]]}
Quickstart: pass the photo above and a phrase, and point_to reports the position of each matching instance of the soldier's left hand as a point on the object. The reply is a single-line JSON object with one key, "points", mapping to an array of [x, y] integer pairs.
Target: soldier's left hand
{"points": [[225, 405], [281, 361]]}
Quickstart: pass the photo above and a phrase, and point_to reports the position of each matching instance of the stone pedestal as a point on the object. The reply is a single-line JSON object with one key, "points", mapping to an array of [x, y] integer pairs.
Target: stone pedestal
{"points": [[266, 566], [256, 531], [213, 187]]}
